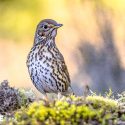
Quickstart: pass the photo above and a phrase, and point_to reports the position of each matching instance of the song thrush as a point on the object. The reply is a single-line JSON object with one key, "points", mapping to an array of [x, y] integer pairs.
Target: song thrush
{"points": [[45, 63]]}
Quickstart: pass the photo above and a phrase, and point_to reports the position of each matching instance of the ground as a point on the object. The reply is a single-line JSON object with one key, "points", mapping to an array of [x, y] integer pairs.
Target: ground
{"points": [[71, 110]]}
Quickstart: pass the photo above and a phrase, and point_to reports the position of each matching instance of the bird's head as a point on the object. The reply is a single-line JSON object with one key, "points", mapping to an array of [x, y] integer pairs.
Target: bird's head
{"points": [[47, 28]]}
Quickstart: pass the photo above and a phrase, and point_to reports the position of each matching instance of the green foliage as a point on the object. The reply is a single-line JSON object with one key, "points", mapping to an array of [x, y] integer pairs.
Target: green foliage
{"points": [[70, 110]]}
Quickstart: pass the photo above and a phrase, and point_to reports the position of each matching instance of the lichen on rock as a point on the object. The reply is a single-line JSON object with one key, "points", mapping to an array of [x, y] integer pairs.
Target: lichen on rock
{"points": [[12, 98], [8, 97]]}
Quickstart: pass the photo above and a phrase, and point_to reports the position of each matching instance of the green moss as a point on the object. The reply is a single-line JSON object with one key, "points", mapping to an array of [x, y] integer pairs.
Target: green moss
{"points": [[100, 101], [70, 110]]}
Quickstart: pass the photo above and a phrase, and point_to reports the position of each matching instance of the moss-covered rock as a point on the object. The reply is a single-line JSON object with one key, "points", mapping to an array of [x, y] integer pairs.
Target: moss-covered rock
{"points": [[71, 110]]}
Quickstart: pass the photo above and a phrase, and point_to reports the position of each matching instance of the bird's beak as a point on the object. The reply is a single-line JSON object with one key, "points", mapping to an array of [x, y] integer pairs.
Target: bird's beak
{"points": [[57, 26]]}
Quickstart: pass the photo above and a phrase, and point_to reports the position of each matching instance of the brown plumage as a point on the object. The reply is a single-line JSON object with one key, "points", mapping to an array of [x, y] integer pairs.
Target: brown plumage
{"points": [[45, 63]]}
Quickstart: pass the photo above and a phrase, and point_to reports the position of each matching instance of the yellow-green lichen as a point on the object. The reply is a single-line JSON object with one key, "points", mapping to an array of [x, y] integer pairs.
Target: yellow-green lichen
{"points": [[100, 101], [70, 111]]}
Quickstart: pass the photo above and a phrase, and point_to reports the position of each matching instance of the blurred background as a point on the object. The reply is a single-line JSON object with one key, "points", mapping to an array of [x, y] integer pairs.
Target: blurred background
{"points": [[92, 40]]}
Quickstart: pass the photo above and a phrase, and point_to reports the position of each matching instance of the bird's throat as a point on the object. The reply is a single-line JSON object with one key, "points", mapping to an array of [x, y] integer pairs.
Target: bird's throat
{"points": [[49, 41], [39, 39]]}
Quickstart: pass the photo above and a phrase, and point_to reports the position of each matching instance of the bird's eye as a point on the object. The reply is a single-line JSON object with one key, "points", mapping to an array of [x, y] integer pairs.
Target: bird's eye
{"points": [[45, 26]]}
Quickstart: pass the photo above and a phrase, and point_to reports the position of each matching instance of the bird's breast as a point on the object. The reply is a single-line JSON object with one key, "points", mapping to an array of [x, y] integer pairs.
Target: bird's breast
{"points": [[45, 66]]}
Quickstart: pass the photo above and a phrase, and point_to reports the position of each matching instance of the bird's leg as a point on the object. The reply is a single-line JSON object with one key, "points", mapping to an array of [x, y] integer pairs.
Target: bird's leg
{"points": [[59, 95], [45, 98]]}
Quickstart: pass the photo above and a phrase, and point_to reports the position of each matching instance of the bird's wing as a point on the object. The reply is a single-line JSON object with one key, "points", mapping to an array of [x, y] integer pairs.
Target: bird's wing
{"points": [[63, 67]]}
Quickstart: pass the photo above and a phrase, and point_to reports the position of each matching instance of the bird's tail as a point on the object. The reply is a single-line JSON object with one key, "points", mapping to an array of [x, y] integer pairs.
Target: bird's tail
{"points": [[72, 90], [69, 92]]}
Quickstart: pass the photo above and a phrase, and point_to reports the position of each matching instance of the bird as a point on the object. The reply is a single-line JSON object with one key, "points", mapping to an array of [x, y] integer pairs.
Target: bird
{"points": [[46, 64]]}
